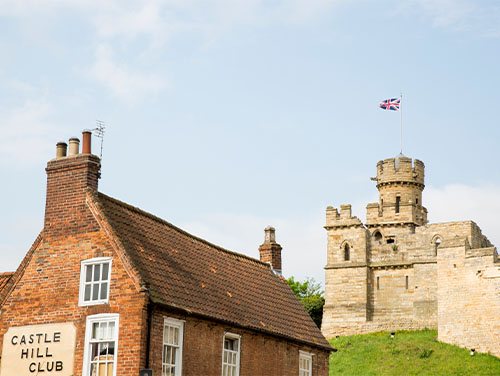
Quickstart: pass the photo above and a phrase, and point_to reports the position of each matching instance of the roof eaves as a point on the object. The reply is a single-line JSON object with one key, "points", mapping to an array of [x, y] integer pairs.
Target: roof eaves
{"points": [[99, 214], [239, 325]]}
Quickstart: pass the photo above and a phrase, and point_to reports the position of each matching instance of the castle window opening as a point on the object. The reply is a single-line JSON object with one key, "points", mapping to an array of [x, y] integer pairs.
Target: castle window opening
{"points": [[377, 235], [378, 283], [416, 201], [398, 200], [437, 243], [406, 283], [347, 252], [390, 241]]}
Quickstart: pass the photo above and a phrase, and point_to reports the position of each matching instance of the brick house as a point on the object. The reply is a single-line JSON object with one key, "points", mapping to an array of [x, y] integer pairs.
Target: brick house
{"points": [[107, 289]]}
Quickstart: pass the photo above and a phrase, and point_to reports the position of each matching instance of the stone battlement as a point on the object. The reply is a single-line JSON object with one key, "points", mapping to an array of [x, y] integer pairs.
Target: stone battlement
{"points": [[400, 170], [342, 219]]}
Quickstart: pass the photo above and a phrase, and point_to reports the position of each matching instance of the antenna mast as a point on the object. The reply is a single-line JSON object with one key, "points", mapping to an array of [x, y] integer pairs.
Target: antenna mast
{"points": [[99, 132]]}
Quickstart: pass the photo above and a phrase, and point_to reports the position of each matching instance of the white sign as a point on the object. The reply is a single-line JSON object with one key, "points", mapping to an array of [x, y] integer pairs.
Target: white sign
{"points": [[46, 350]]}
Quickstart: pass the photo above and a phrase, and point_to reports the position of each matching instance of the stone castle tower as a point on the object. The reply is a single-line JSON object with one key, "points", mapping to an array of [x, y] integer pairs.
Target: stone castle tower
{"points": [[382, 274]]}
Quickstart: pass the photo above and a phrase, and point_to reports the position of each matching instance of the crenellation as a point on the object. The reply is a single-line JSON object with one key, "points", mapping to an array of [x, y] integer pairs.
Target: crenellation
{"points": [[400, 266], [342, 219]]}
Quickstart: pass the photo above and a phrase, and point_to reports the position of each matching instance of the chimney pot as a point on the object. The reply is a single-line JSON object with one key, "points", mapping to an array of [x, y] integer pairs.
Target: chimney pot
{"points": [[74, 146], [61, 149], [270, 235], [87, 139]]}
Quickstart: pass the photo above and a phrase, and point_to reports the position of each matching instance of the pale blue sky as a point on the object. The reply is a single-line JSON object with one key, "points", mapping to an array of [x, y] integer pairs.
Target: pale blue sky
{"points": [[226, 116]]}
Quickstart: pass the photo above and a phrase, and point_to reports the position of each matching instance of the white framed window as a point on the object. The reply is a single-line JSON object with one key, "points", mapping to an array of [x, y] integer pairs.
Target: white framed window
{"points": [[231, 355], [95, 275], [305, 363], [101, 345], [173, 334]]}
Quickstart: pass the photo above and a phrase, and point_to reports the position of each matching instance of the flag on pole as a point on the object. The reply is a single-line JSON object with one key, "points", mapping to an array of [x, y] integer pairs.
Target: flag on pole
{"points": [[391, 104]]}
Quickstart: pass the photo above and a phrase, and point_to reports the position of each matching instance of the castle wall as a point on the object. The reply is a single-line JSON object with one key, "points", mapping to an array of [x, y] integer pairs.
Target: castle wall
{"points": [[406, 274], [424, 290], [390, 299], [469, 297]]}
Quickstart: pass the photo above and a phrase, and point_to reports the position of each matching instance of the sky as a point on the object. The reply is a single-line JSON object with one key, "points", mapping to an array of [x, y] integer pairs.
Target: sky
{"points": [[226, 116]]}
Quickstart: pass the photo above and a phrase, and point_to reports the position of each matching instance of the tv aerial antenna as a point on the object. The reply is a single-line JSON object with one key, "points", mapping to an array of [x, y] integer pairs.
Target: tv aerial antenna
{"points": [[99, 132]]}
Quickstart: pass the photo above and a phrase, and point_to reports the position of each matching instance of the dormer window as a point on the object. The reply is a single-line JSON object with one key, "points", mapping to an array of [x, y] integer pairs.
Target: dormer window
{"points": [[95, 275]]}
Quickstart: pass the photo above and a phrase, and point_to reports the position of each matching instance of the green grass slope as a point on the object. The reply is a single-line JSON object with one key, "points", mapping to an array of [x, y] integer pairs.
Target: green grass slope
{"points": [[409, 353]]}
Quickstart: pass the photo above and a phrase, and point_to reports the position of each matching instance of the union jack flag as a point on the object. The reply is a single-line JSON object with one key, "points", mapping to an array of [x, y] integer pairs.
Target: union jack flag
{"points": [[391, 104]]}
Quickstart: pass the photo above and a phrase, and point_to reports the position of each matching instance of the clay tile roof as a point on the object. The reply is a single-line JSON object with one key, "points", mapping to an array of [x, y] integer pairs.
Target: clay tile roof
{"points": [[189, 273], [4, 278]]}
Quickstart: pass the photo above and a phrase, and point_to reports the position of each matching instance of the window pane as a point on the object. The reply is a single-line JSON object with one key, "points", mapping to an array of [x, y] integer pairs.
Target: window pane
{"points": [[95, 291], [111, 330], [110, 369], [169, 355], [165, 335], [95, 327], [104, 290], [174, 351], [87, 293], [111, 348], [88, 273], [93, 351], [97, 272], [176, 336], [101, 332], [105, 271]]}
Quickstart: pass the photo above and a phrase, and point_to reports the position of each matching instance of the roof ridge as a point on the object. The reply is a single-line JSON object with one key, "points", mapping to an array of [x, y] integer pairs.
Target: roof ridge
{"points": [[158, 219]]}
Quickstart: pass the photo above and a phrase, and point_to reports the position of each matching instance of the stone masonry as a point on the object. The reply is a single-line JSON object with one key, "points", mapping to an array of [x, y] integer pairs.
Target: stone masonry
{"points": [[393, 272]]}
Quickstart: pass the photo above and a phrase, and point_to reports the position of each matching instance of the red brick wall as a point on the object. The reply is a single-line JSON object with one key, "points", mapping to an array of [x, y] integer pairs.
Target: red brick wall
{"points": [[261, 354], [271, 252], [67, 181], [48, 292]]}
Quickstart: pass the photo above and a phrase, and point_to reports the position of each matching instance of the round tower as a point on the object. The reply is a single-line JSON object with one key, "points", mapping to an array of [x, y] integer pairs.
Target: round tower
{"points": [[400, 182]]}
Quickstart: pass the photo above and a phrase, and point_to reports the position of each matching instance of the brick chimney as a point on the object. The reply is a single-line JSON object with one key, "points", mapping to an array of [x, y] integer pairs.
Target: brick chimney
{"points": [[68, 178], [270, 251]]}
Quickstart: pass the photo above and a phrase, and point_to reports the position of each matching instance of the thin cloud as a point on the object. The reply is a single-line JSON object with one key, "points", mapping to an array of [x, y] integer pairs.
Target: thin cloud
{"points": [[460, 15], [120, 80], [28, 132], [456, 202]]}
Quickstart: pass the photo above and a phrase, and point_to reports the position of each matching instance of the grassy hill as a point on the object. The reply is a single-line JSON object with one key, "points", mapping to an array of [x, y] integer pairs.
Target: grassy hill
{"points": [[409, 353]]}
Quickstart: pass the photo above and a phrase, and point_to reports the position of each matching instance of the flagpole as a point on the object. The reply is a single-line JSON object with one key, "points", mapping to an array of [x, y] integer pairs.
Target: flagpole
{"points": [[401, 123]]}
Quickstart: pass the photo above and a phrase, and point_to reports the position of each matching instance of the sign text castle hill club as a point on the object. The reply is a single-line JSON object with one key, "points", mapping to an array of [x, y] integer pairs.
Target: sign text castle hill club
{"points": [[39, 349]]}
